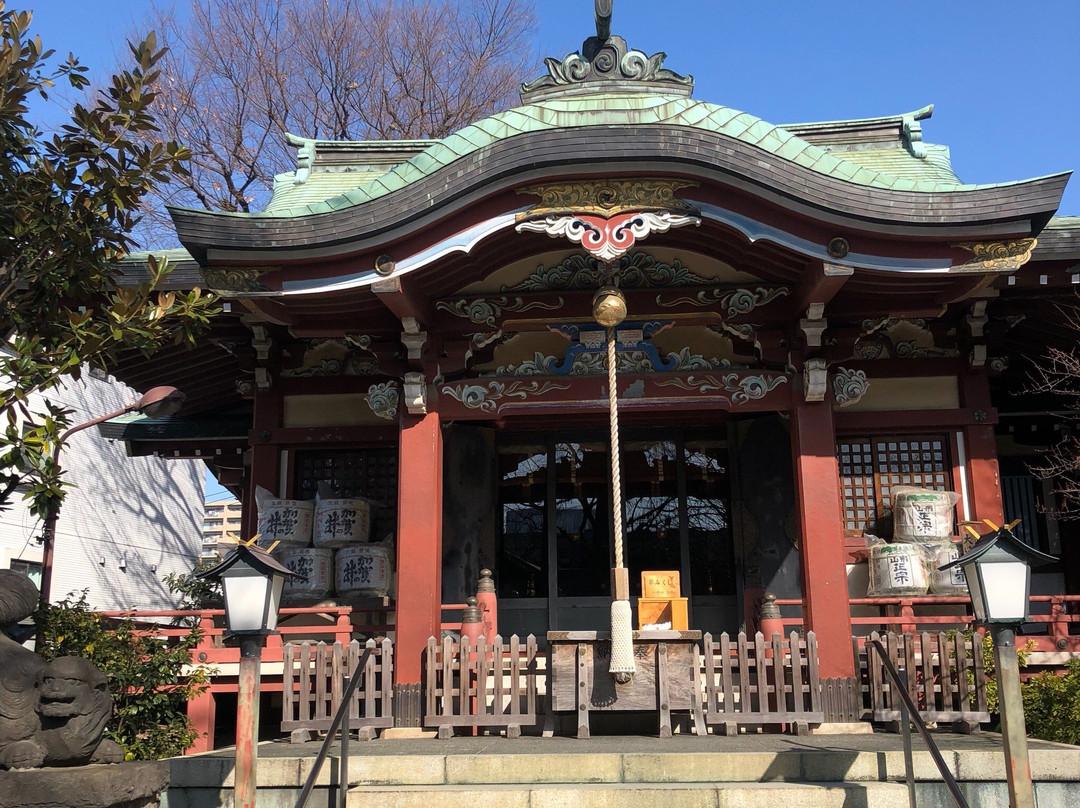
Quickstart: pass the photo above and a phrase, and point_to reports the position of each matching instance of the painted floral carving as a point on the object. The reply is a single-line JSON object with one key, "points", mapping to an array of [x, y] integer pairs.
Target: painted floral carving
{"points": [[486, 311], [608, 238], [628, 362], [743, 389], [636, 270], [383, 399], [608, 197], [485, 397], [732, 302], [996, 256], [849, 386]]}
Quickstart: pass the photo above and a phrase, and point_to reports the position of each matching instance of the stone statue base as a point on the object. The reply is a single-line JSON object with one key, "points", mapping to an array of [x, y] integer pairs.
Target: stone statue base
{"points": [[138, 784]]}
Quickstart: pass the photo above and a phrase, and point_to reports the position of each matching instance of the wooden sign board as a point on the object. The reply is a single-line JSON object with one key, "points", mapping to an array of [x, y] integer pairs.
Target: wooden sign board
{"points": [[660, 584]]}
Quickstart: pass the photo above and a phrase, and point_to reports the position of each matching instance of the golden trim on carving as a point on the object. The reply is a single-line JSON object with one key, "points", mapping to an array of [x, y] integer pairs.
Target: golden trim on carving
{"points": [[996, 256], [608, 198], [236, 279]]}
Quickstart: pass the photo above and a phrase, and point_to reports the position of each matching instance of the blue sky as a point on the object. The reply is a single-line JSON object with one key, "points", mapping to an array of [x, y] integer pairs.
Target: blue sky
{"points": [[1004, 76]]}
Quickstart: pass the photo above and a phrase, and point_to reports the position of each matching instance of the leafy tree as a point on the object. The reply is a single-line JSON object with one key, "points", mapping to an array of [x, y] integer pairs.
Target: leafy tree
{"points": [[196, 593], [67, 203], [151, 679]]}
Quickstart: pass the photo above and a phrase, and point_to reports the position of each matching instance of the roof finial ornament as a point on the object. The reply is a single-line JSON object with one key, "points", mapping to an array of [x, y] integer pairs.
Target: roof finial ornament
{"points": [[606, 64], [603, 19]]}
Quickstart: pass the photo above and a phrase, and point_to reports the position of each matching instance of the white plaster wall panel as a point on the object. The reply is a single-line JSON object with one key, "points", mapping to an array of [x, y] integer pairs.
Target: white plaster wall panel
{"points": [[146, 512]]}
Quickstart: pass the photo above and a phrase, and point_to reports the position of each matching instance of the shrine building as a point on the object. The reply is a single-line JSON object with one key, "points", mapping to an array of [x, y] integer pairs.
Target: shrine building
{"points": [[817, 313]]}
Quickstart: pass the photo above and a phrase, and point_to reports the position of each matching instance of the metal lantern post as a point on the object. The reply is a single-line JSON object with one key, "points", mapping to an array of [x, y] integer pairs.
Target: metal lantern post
{"points": [[251, 580], [998, 572], [156, 402]]}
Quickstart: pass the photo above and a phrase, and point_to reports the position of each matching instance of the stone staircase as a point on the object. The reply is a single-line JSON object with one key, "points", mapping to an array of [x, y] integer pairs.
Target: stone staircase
{"points": [[749, 771]]}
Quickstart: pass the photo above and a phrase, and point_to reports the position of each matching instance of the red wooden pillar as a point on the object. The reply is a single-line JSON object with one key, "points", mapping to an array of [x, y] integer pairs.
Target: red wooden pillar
{"points": [[419, 543], [201, 711], [265, 456], [817, 491], [980, 446]]}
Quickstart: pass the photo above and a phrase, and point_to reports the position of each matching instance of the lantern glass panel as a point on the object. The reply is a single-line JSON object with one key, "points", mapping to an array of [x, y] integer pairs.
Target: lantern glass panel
{"points": [[975, 590], [276, 585], [1005, 587], [246, 601]]}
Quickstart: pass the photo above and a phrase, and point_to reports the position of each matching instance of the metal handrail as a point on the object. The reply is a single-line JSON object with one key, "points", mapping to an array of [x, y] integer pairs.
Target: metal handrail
{"points": [[350, 683], [909, 713]]}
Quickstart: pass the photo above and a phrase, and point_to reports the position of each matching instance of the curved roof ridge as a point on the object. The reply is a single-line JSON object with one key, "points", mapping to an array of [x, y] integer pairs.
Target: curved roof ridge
{"points": [[921, 114], [621, 109]]}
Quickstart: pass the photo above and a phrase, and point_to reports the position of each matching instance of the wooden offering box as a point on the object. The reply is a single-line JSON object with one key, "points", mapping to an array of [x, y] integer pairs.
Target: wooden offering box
{"points": [[653, 611], [660, 600]]}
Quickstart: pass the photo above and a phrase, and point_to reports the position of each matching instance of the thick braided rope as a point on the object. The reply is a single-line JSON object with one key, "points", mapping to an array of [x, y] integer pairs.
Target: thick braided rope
{"points": [[616, 473], [622, 665]]}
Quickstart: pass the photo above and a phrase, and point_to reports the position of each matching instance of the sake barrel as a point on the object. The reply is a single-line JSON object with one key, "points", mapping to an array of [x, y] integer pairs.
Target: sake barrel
{"points": [[922, 515], [951, 581], [287, 521], [341, 522], [897, 570], [315, 565], [363, 571]]}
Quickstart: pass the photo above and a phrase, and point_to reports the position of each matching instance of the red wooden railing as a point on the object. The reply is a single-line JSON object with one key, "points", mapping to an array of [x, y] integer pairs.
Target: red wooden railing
{"points": [[330, 624], [1059, 613]]}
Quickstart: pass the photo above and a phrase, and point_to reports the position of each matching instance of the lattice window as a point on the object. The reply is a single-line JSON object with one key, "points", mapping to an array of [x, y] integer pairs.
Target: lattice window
{"points": [[871, 467], [371, 473]]}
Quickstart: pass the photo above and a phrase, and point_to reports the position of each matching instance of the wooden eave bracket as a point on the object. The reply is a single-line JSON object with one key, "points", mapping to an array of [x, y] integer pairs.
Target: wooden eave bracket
{"points": [[814, 324], [816, 289], [815, 379], [819, 285], [415, 393], [976, 323], [405, 304]]}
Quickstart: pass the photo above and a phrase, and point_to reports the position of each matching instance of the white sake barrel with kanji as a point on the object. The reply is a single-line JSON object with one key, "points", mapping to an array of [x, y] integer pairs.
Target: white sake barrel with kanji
{"points": [[922, 515], [315, 566], [363, 571], [341, 522], [947, 582], [287, 521], [897, 570]]}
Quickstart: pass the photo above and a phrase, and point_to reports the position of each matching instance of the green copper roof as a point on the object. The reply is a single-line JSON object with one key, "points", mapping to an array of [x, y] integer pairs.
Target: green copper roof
{"points": [[873, 168]]}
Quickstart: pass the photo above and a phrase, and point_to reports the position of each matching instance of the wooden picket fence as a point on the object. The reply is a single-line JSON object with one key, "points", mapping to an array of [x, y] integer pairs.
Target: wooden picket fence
{"points": [[759, 681], [946, 677], [312, 685], [490, 685]]}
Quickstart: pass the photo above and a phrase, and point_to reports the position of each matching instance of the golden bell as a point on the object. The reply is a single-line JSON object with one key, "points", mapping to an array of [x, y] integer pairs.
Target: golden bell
{"points": [[609, 307]]}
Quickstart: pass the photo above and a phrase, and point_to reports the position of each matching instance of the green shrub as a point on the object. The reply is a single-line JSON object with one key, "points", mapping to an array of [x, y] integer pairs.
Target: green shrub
{"points": [[1052, 705], [151, 680], [1051, 701]]}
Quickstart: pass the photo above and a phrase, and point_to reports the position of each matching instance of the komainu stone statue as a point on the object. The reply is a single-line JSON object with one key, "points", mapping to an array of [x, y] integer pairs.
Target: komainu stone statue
{"points": [[51, 713]]}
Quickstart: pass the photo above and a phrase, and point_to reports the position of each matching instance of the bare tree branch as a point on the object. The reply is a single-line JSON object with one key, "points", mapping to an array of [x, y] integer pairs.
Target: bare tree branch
{"points": [[240, 74], [1058, 374]]}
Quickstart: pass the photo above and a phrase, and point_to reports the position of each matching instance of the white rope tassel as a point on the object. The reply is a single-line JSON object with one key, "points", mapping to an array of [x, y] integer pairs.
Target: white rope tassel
{"points": [[622, 624], [622, 641]]}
